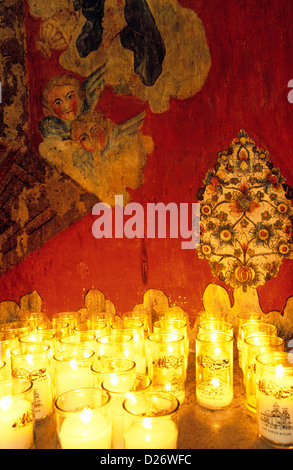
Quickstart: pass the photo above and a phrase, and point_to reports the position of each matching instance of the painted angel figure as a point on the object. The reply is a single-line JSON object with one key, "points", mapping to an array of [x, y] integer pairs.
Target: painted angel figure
{"points": [[65, 98], [96, 133]]}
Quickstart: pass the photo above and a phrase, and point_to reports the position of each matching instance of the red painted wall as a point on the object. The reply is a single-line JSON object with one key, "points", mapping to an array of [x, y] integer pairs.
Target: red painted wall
{"points": [[251, 45]]}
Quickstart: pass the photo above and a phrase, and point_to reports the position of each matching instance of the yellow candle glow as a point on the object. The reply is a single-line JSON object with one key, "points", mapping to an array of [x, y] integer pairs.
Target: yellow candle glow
{"points": [[83, 419], [16, 414], [274, 398]]}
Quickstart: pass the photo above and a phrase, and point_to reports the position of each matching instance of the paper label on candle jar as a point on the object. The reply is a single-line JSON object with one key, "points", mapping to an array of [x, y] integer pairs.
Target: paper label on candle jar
{"points": [[208, 362], [41, 389], [275, 411], [169, 362]]}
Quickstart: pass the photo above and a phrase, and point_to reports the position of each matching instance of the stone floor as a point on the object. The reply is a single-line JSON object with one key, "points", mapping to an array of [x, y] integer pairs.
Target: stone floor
{"points": [[200, 428]]}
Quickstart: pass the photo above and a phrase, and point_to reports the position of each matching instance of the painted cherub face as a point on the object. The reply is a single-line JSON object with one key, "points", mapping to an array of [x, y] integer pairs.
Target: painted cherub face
{"points": [[91, 136], [65, 101]]}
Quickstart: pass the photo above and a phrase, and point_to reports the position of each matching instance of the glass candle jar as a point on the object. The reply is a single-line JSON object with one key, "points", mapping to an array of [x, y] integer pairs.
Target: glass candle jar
{"points": [[8, 341], [166, 362], [175, 326], [3, 370], [142, 315], [134, 328], [20, 328], [72, 318], [41, 338], [104, 316], [83, 419], [16, 414], [120, 387], [115, 345], [254, 345], [110, 367], [35, 318], [214, 370], [151, 421], [209, 315], [242, 319], [216, 326], [94, 327], [33, 361], [274, 398], [81, 339], [72, 369], [253, 329], [60, 329]]}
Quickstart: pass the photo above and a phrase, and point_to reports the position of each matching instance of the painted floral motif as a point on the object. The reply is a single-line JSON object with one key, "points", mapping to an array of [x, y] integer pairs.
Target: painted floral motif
{"points": [[246, 216]]}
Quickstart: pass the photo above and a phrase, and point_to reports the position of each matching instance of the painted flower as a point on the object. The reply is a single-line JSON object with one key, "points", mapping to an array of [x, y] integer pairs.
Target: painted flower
{"points": [[204, 249], [262, 234], [288, 229], [273, 179], [285, 249], [245, 275], [272, 267], [217, 268], [225, 234], [243, 201], [263, 155], [266, 215], [206, 210]]}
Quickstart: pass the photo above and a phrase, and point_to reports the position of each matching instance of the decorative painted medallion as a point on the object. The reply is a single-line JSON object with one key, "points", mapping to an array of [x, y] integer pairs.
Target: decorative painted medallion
{"points": [[246, 216]]}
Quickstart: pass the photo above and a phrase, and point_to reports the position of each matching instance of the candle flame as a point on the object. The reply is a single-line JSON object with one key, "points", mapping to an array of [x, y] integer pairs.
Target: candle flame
{"points": [[5, 403], [215, 382], [73, 364], [279, 371], [147, 423], [114, 379], [170, 349], [86, 415], [168, 387], [29, 358]]}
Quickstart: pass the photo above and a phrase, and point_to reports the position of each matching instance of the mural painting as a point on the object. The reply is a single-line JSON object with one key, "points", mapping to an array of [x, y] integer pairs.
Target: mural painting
{"points": [[108, 97]]}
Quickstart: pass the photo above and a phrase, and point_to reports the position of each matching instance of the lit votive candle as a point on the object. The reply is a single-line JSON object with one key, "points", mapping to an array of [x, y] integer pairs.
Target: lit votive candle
{"points": [[253, 329], [110, 367], [98, 316], [215, 325], [20, 328], [175, 326], [135, 328], [120, 387], [243, 318], [39, 337], [60, 328], [115, 345], [72, 318], [34, 318], [81, 339], [33, 361], [72, 369], [8, 341], [166, 362], [214, 370], [151, 421], [254, 345], [16, 414], [274, 398], [83, 419], [210, 315], [96, 328]]}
